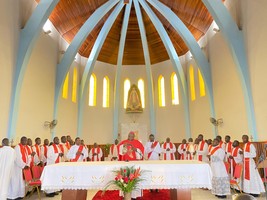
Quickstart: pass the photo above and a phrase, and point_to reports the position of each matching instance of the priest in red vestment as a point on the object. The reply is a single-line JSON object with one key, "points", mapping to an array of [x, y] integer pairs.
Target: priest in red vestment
{"points": [[131, 149]]}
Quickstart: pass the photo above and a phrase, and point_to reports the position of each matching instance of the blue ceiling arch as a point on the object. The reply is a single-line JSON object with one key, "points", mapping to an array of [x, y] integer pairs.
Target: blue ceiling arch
{"points": [[148, 67], [235, 41], [28, 37], [118, 73], [194, 48], [64, 66], [175, 61], [91, 62]]}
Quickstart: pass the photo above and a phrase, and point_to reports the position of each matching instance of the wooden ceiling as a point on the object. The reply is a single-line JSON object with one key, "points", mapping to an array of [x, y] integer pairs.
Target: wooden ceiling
{"points": [[70, 15]]}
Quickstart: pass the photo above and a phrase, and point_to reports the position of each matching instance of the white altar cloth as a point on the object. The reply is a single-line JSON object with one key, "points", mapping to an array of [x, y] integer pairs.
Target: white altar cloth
{"points": [[158, 174]]}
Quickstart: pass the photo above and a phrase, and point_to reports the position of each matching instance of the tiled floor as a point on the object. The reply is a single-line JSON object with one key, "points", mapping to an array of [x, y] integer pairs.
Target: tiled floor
{"points": [[197, 194]]}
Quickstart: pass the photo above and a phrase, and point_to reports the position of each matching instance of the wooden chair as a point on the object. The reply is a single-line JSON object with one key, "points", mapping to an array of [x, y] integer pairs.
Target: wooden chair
{"points": [[31, 182], [237, 176]]}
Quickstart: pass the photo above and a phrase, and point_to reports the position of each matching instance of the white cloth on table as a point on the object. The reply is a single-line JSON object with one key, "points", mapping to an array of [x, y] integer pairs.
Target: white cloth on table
{"points": [[255, 184], [17, 184], [154, 151], [74, 149], [220, 178], [7, 160]]}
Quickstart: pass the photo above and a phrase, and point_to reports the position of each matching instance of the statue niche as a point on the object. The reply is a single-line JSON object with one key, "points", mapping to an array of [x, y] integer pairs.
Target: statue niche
{"points": [[134, 104]]}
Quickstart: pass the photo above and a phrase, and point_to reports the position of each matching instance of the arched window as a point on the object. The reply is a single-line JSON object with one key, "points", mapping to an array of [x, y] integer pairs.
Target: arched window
{"points": [[74, 85], [141, 87], [65, 88], [175, 89], [127, 85], [161, 91], [106, 92], [202, 90], [192, 82], [92, 90]]}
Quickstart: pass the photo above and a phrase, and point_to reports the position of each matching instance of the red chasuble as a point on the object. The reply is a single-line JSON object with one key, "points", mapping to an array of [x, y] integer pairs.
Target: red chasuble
{"points": [[129, 144]]}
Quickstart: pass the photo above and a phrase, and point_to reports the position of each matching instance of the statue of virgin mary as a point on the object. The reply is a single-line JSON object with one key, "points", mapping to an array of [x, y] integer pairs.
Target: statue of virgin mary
{"points": [[134, 104]]}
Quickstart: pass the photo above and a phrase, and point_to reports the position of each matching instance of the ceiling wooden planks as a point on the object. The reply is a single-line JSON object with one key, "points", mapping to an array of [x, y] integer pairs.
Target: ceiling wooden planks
{"points": [[70, 15]]}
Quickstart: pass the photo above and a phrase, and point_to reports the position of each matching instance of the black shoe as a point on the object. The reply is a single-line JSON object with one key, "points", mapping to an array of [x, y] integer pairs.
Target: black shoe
{"points": [[255, 195], [221, 196], [50, 195]]}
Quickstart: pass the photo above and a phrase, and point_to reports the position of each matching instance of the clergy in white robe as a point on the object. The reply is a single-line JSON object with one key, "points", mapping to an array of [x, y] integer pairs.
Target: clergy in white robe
{"points": [[190, 149], [95, 153], [64, 149], [16, 187], [252, 182], [228, 148], [236, 158], [168, 150], [7, 160], [152, 149], [44, 150], [182, 150], [221, 143], [37, 149], [114, 151], [202, 149], [77, 152], [54, 156], [220, 178]]}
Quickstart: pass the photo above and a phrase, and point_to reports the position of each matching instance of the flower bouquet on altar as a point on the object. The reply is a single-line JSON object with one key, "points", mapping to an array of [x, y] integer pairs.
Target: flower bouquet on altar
{"points": [[126, 180]]}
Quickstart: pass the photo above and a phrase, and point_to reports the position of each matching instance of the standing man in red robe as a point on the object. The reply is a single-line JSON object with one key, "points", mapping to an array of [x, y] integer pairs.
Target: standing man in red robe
{"points": [[131, 149]]}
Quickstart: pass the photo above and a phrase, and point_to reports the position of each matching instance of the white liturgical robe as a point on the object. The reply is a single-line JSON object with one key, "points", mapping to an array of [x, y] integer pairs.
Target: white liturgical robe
{"points": [[168, 155], [182, 151], [252, 182], [202, 151], [152, 150], [114, 152], [7, 159], [98, 154], [71, 155], [17, 184]]}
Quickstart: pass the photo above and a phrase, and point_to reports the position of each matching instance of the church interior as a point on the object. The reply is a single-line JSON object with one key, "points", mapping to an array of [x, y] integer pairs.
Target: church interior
{"points": [[198, 67]]}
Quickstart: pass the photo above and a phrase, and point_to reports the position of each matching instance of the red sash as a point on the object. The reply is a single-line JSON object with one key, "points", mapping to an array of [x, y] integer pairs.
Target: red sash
{"points": [[68, 145], [183, 146], [189, 156], [29, 151], [153, 146], [214, 150], [164, 147], [220, 144], [80, 149], [56, 151], [229, 147], [45, 151], [112, 148], [200, 157], [61, 148], [23, 153], [234, 154], [209, 148], [247, 161], [37, 150], [97, 151]]}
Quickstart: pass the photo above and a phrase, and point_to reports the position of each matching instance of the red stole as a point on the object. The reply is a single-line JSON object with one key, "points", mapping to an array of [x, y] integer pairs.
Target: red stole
{"points": [[154, 144], [23, 153], [45, 151], [112, 148], [56, 151], [189, 156], [220, 144], [29, 151], [229, 147], [214, 150], [209, 148], [68, 145], [80, 149], [183, 146], [37, 150], [164, 147], [61, 148], [247, 161], [201, 147], [234, 154], [97, 151]]}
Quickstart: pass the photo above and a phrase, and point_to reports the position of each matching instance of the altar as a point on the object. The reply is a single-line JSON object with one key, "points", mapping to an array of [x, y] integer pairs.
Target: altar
{"points": [[178, 175]]}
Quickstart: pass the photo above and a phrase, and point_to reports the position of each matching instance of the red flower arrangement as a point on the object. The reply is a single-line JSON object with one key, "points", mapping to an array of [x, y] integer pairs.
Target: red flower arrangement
{"points": [[126, 179]]}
